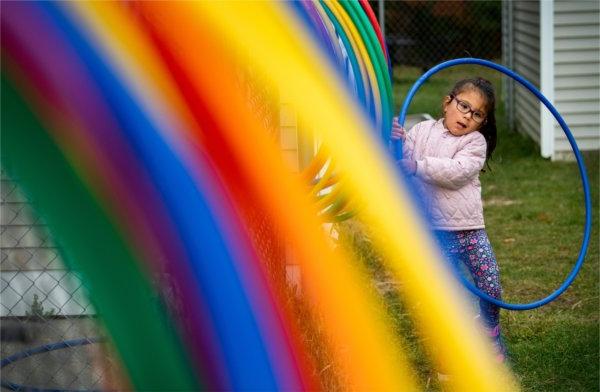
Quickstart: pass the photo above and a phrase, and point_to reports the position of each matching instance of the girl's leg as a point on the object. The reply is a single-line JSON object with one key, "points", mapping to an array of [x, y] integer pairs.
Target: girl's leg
{"points": [[478, 256]]}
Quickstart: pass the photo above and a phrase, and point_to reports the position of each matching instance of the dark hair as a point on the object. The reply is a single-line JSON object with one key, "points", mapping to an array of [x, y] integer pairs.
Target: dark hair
{"points": [[488, 128]]}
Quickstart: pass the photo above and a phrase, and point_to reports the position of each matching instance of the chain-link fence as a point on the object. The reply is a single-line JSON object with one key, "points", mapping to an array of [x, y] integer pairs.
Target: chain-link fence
{"points": [[48, 325], [46, 318], [52, 338], [424, 33]]}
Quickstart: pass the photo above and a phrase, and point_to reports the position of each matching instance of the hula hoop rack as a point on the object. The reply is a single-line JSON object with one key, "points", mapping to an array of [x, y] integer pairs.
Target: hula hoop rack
{"points": [[580, 164], [41, 350]]}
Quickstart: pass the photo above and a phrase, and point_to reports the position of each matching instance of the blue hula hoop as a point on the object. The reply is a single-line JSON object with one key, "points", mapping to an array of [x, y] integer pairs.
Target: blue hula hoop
{"points": [[40, 350], [580, 164]]}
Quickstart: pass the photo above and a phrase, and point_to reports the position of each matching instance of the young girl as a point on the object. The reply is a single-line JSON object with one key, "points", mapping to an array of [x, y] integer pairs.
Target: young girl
{"points": [[446, 157]]}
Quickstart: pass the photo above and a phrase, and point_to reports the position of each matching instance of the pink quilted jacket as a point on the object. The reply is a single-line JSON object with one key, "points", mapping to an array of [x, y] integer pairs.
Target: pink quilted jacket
{"points": [[448, 168]]}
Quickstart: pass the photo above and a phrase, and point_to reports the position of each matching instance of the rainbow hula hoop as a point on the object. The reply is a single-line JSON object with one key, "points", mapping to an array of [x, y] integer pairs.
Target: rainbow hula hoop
{"points": [[580, 164]]}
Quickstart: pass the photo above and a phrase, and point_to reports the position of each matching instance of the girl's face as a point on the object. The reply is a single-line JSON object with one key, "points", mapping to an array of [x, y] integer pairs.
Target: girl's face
{"points": [[459, 123]]}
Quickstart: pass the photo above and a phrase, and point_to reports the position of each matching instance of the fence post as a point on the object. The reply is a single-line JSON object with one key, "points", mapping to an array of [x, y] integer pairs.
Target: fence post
{"points": [[381, 9], [507, 55]]}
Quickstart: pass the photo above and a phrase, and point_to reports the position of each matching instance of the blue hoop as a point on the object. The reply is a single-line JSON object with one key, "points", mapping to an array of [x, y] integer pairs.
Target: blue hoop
{"points": [[580, 164], [40, 350]]}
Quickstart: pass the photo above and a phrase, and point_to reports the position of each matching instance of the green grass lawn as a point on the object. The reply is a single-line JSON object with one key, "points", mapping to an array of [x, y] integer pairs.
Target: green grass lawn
{"points": [[534, 216]]}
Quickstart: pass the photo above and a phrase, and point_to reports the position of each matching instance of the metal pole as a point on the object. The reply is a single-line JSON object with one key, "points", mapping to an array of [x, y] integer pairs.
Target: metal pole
{"points": [[381, 8], [507, 53]]}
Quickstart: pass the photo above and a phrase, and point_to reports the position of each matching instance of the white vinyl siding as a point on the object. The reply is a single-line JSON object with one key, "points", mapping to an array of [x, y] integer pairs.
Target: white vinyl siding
{"points": [[577, 73], [526, 62], [572, 75]]}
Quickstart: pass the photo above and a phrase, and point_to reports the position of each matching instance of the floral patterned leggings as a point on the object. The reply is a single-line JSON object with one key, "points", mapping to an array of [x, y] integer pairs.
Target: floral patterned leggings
{"points": [[473, 249]]}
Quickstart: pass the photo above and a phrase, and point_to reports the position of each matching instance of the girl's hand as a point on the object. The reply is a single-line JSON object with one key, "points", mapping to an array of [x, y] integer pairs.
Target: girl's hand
{"points": [[409, 166], [398, 133]]}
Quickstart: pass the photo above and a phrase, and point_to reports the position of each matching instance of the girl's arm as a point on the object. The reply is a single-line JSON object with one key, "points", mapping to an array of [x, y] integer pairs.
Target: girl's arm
{"points": [[408, 138], [455, 172]]}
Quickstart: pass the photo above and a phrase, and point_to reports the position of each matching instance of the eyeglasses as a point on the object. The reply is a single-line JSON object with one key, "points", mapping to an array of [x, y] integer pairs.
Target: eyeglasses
{"points": [[465, 108]]}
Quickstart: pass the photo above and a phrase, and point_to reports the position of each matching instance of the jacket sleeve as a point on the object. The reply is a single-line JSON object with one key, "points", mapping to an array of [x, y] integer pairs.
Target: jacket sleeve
{"points": [[408, 147], [454, 173]]}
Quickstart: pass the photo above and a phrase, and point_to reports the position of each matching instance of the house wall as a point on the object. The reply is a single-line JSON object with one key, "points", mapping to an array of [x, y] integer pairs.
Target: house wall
{"points": [[577, 73], [525, 53], [288, 136], [31, 265], [571, 80], [297, 148]]}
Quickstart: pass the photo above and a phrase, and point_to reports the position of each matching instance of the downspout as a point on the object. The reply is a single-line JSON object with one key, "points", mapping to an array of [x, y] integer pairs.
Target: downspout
{"points": [[547, 76]]}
